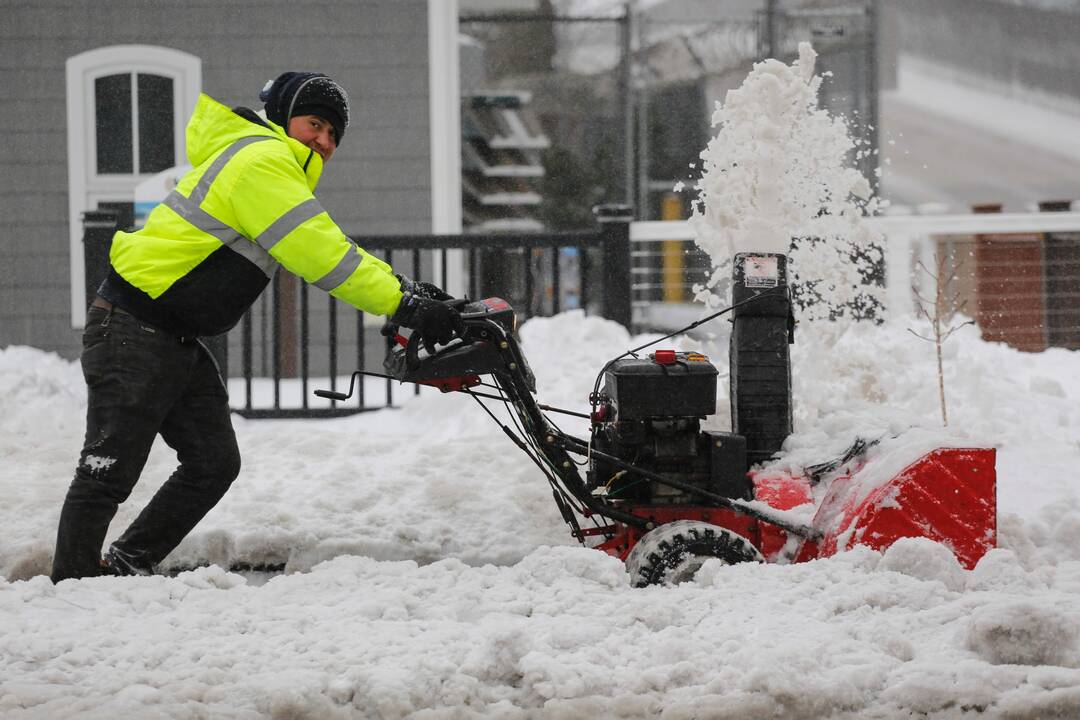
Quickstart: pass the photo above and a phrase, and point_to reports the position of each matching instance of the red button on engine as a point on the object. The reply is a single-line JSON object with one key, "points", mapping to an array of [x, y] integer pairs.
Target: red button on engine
{"points": [[664, 357]]}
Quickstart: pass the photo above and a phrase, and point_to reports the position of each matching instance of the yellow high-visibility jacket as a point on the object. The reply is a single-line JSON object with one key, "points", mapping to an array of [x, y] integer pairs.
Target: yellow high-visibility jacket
{"points": [[211, 247]]}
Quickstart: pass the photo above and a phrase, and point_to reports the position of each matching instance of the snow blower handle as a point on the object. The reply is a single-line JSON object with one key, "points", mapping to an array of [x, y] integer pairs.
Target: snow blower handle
{"points": [[390, 330], [412, 342], [335, 395]]}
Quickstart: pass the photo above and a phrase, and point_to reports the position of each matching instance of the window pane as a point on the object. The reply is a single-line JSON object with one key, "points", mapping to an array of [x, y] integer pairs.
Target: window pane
{"points": [[112, 103], [157, 148]]}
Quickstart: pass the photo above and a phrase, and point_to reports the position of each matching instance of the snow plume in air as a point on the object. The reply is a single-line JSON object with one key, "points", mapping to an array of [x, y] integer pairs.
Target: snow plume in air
{"points": [[779, 169]]}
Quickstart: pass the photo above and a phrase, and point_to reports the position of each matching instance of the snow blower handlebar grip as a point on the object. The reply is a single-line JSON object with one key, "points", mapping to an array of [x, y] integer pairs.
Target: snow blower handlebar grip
{"points": [[411, 344], [334, 395], [331, 395], [412, 350]]}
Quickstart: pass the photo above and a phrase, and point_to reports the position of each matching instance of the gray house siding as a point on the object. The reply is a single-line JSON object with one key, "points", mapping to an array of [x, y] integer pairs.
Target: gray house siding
{"points": [[378, 182]]}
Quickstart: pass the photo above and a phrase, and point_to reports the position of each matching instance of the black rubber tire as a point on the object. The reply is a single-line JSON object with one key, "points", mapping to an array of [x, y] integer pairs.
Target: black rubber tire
{"points": [[673, 553]]}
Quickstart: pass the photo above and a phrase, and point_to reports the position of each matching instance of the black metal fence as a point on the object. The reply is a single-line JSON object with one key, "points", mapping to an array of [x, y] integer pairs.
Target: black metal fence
{"points": [[288, 341], [511, 266]]}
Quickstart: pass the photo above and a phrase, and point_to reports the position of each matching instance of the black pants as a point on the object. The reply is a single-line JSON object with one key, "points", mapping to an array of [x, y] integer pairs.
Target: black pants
{"points": [[142, 381]]}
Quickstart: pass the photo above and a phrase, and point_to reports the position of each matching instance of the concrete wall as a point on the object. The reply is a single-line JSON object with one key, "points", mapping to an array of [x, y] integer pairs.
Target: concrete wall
{"points": [[378, 182]]}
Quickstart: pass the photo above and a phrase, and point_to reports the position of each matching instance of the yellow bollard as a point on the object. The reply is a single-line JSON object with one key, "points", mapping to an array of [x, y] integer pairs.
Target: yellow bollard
{"points": [[671, 208]]}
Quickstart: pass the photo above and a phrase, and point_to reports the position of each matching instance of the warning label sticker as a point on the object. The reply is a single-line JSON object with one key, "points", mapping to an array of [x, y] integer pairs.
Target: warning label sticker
{"points": [[761, 272]]}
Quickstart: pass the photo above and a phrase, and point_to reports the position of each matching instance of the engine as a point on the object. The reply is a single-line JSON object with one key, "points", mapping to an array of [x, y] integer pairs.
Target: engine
{"points": [[649, 414]]}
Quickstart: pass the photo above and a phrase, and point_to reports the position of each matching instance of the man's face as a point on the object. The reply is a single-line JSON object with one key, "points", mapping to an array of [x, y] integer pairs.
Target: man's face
{"points": [[314, 132]]}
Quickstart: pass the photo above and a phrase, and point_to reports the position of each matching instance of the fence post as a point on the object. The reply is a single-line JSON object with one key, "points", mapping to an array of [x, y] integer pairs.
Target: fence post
{"points": [[615, 243], [98, 229], [1061, 282]]}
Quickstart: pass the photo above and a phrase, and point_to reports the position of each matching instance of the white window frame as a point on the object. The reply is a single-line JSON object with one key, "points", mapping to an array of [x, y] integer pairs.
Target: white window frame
{"points": [[85, 186]]}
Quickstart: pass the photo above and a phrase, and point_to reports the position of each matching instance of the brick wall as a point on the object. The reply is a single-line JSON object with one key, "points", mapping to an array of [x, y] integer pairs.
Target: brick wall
{"points": [[1010, 298]]}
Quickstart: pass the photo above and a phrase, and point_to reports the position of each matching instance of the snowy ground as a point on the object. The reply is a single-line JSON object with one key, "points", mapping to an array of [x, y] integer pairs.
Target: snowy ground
{"points": [[429, 575], [432, 577]]}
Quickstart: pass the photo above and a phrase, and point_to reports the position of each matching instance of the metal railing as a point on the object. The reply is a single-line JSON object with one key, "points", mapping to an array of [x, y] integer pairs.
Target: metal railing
{"points": [[1019, 274], [1016, 274], [666, 265], [300, 347]]}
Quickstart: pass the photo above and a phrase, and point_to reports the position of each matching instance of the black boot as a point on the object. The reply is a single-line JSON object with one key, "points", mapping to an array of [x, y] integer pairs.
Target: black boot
{"points": [[117, 562]]}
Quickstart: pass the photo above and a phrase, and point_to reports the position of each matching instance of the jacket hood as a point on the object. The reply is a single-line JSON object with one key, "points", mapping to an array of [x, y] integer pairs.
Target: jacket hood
{"points": [[214, 126]]}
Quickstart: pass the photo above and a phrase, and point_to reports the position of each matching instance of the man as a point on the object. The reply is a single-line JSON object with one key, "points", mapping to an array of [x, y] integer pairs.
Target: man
{"points": [[203, 257]]}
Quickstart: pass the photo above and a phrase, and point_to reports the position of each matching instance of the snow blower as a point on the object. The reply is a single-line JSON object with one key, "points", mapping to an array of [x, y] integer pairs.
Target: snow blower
{"points": [[664, 495]]}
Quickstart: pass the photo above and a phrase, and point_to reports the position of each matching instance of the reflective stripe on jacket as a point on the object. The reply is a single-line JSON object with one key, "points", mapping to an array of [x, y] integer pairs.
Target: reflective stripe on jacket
{"points": [[210, 248]]}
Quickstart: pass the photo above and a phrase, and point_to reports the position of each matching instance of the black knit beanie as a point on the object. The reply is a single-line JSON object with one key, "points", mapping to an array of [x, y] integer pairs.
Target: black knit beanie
{"points": [[306, 93]]}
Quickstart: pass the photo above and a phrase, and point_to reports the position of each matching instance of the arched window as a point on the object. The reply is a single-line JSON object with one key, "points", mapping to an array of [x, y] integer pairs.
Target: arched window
{"points": [[127, 109]]}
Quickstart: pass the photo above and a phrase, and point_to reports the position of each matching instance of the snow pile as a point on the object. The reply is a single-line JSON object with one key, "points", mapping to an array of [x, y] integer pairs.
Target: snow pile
{"points": [[1023, 633], [778, 169], [455, 591], [436, 479], [925, 560], [38, 391], [557, 635], [570, 349], [43, 399], [432, 480]]}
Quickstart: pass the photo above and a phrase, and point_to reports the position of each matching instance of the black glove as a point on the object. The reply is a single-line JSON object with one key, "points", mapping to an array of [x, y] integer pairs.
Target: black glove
{"points": [[436, 321], [423, 289]]}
